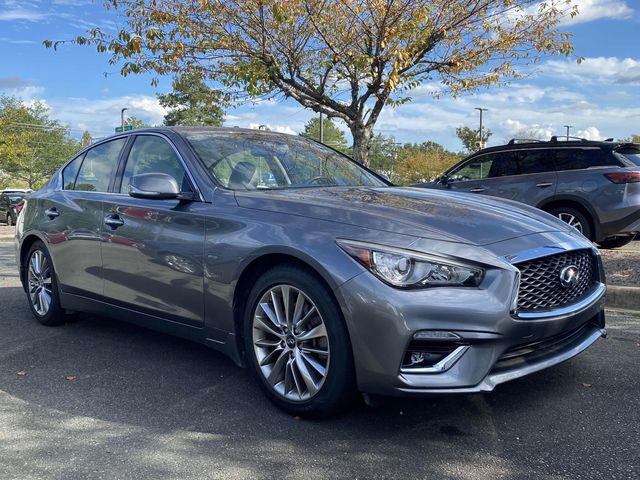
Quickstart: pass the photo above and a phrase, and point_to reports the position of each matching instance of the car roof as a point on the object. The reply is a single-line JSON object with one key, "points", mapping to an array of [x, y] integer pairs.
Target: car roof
{"points": [[516, 144]]}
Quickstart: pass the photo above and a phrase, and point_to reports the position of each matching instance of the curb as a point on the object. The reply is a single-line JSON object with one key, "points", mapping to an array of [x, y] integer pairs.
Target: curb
{"points": [[623, 298]]}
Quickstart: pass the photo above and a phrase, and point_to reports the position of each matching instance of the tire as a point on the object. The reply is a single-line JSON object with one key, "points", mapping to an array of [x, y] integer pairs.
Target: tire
{"points": [[42, 286], [575, 218], [288, 368], [10, 221], [616, 241]]}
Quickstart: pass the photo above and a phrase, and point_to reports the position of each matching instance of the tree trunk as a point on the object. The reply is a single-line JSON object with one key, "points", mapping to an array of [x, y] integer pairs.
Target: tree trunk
{"points": [[361, 143]]}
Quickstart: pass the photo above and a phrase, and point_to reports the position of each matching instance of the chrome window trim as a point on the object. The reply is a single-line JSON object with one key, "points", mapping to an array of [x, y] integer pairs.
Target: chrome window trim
{"points": [[198, 192]]}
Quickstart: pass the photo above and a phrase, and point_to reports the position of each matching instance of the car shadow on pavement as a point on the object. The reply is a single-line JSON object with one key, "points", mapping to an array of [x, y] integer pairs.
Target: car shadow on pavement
{"points": [[96, 384]]}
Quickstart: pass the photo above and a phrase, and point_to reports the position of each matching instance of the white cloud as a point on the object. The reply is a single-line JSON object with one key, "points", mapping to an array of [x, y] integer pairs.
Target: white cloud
{"points": [[590, 10], [20, 87], [590, 133], [100, 117], [16, 14], [597, 69]]}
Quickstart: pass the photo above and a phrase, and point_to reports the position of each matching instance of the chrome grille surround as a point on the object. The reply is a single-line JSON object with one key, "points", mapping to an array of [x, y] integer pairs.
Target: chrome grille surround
{"points": [[540, 286]]}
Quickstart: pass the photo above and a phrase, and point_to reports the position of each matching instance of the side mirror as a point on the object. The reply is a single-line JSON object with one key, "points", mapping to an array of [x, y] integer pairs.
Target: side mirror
{"points": [[158, 186], [443, 179]]}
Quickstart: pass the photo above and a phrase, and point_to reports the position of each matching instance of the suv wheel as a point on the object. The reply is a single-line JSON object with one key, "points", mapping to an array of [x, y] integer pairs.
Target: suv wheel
{"points": [[616, 241], [42, 286], [575, 218], [297, 343]]}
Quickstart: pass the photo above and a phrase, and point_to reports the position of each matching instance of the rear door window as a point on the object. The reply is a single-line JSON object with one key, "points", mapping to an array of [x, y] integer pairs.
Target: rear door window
{"points": [[504, 165], [98, 166], [534, 161], [578, 158], [70, 172]]}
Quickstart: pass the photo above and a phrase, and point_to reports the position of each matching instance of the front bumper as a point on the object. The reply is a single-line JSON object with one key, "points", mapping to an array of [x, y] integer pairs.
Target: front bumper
{"points": [[382, 321]]}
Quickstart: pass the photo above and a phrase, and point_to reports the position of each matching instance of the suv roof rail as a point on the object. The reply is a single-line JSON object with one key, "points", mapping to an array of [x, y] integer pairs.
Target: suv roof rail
{"points": [[566, 138], [513, 141]]}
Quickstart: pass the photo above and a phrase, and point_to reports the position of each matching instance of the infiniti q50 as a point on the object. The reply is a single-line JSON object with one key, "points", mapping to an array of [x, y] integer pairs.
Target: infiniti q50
{"points": [[312, 271]]}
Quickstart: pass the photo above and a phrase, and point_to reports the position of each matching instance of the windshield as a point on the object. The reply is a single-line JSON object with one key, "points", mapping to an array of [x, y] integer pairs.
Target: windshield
{"points": [[257, 161], [631, 155], [15, 198]]}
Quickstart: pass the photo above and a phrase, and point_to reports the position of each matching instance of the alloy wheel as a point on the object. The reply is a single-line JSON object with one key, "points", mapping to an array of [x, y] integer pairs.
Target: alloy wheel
{"points": [[39, 282], [571, 220], [290, 343]]}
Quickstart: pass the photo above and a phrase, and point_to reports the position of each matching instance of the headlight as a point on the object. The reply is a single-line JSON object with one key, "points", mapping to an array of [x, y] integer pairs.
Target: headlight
{"points": [[406, 269]]}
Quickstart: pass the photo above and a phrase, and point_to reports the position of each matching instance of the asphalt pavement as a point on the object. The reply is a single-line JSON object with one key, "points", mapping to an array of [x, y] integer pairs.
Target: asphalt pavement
{"points": [[100, 399]]}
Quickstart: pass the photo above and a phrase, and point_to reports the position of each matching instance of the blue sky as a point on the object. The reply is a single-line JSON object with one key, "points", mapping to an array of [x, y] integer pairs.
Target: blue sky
{"points": [[600, 97]]}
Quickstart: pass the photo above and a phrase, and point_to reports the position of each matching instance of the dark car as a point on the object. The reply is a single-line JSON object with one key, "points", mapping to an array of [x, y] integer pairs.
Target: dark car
{"points": [[8, 202], [592, 186], [306, 267]]}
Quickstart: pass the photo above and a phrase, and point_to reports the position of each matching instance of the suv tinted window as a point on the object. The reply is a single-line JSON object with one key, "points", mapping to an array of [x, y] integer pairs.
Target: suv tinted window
{"points": [[577, 158], [534, 161], [151, 154], [503, 165], [70, 173], [98, 166], [476, 169]]}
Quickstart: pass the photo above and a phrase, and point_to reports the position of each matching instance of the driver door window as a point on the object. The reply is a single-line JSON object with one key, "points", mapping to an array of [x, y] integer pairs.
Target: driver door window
{"points": [[151, 154]]}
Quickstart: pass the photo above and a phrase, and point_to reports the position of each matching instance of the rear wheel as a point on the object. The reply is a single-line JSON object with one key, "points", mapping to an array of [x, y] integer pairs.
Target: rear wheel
{"points": [[297, 344], [616, 241], [575, 218], [42, 286]]}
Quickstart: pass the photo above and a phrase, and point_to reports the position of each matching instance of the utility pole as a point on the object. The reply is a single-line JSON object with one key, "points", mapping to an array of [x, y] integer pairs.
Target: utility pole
{"points": [[568, 127], [321, 129], [480, 131], [122, 118]]}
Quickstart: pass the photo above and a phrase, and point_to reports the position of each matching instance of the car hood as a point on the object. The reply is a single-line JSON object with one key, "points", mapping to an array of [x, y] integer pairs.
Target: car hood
{"points": [[435, 214]]}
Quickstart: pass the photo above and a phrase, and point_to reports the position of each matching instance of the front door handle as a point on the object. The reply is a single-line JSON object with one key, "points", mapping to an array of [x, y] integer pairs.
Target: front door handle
{"points": [[544, 185], [52, 213], [113, 221], [477, 190]]}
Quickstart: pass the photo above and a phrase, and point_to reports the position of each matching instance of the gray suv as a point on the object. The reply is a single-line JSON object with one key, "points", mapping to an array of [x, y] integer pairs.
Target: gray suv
{"points": [[302, 265], [593, 186]]}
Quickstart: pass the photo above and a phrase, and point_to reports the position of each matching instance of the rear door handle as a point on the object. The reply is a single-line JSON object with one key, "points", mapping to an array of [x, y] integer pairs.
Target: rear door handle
{"points": [[114, 221], [52, 213], [477, 190], [544, 185]]}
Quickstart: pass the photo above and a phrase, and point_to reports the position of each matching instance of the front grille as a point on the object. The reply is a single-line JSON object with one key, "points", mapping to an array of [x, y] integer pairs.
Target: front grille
{"points": [[531, 351], [540, 285]]}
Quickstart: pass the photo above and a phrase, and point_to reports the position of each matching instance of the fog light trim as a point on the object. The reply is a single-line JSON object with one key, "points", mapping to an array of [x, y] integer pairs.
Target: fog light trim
{"points": [[442, 366]]}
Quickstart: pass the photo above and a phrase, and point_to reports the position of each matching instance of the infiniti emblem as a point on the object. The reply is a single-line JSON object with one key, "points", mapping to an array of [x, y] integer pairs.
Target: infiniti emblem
{"points": [[569, 276]]}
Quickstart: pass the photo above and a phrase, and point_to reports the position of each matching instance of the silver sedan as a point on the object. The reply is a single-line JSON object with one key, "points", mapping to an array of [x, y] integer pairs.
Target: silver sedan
{"points": [[314, 272]]}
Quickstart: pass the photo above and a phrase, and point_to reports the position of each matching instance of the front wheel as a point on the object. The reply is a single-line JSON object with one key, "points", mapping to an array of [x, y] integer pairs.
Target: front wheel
{"points": [[297, 343], [616, 241], [42, 286], [10, 221]]}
